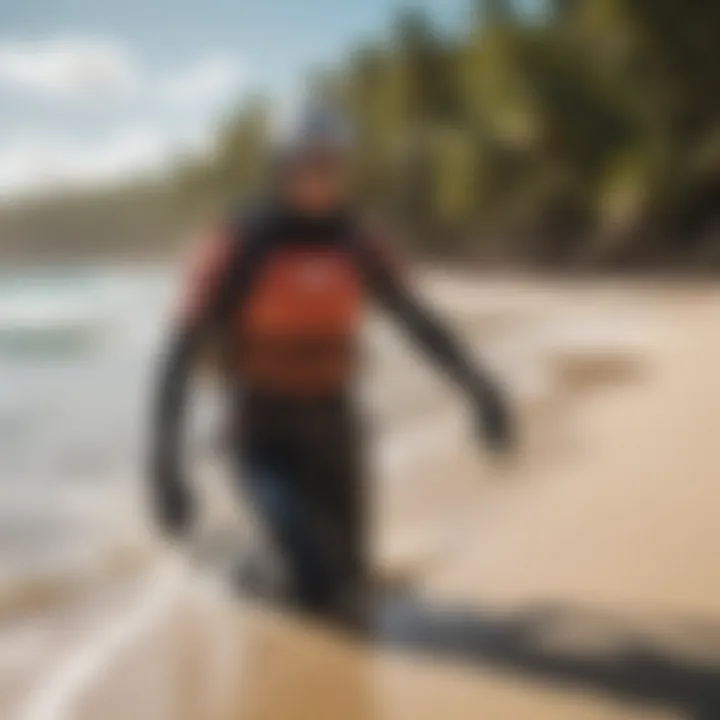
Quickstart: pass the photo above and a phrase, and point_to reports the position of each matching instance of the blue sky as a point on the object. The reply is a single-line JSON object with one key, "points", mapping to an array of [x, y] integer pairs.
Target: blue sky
{"points": [[274, 37], [93, 90]]}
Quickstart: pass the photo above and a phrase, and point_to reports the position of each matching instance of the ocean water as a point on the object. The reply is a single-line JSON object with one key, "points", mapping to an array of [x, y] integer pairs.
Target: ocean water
{"points": [[77, 357]]}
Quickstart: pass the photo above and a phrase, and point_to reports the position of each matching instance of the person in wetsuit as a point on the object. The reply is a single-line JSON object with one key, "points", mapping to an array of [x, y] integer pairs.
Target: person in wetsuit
{"points": [[281, 291]]}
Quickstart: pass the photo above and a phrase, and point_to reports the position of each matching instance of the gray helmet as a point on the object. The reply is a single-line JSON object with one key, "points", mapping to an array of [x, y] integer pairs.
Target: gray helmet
{"points": [[321, 130]]}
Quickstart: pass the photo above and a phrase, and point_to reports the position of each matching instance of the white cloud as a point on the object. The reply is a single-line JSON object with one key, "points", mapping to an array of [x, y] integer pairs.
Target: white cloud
{"points": [[158, 117], [212, 81], [91, 68], [36, 163], [80, 68]]}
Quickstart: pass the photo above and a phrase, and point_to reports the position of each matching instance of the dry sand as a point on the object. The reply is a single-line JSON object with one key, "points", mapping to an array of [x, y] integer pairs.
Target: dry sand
{"points": [[582, 582]]}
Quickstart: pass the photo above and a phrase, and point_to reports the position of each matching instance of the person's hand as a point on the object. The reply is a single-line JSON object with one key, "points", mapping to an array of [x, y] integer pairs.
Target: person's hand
{"points": [[495, 420], [173, 502]]}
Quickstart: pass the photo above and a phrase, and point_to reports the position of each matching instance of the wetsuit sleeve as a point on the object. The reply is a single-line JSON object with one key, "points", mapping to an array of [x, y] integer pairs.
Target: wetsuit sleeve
{"points": [[391, 288], [195, 319]]}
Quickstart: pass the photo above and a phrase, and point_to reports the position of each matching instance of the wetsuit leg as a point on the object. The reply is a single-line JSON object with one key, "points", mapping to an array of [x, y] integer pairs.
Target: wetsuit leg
{"points": [[333, 482], [300, 469], [269, 483]]}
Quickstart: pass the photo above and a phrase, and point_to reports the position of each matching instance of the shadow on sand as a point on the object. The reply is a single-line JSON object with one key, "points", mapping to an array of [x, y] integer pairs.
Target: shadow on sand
{"points": [[671, 664]]}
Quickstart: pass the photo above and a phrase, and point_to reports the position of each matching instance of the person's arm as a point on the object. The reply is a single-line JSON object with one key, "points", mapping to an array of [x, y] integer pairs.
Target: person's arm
{"points": [[430, 334], [193, 324]]}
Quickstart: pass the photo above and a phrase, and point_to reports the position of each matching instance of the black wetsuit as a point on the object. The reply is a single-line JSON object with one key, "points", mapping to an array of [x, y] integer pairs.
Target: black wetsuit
{"points": [[300, 456]]}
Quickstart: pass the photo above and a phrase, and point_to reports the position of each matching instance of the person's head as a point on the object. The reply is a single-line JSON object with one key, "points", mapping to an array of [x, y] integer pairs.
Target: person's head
{"points": [[314, 161]]}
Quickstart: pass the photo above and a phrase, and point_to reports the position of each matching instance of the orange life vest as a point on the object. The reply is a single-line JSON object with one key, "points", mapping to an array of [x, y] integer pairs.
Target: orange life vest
{"points": [[297, 330], [294, 324]]}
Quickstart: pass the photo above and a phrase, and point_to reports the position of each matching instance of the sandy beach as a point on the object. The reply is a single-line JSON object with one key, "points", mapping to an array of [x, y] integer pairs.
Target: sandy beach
{"points": [[578, 582]]}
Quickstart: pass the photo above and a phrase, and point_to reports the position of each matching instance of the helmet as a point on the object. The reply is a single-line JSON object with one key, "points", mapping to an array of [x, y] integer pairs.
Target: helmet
{"points": [[321, 130]]}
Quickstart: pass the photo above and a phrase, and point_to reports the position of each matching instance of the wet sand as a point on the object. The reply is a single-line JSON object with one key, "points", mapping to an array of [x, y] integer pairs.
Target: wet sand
{"points": [[579, 582]]}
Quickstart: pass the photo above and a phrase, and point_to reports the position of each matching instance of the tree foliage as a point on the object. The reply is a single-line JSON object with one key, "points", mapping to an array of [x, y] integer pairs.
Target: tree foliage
{"points": [[588, 131]]}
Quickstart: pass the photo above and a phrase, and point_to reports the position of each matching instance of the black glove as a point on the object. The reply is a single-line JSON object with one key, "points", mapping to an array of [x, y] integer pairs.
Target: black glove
{"points": [[495, 419], [173, 502]]}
